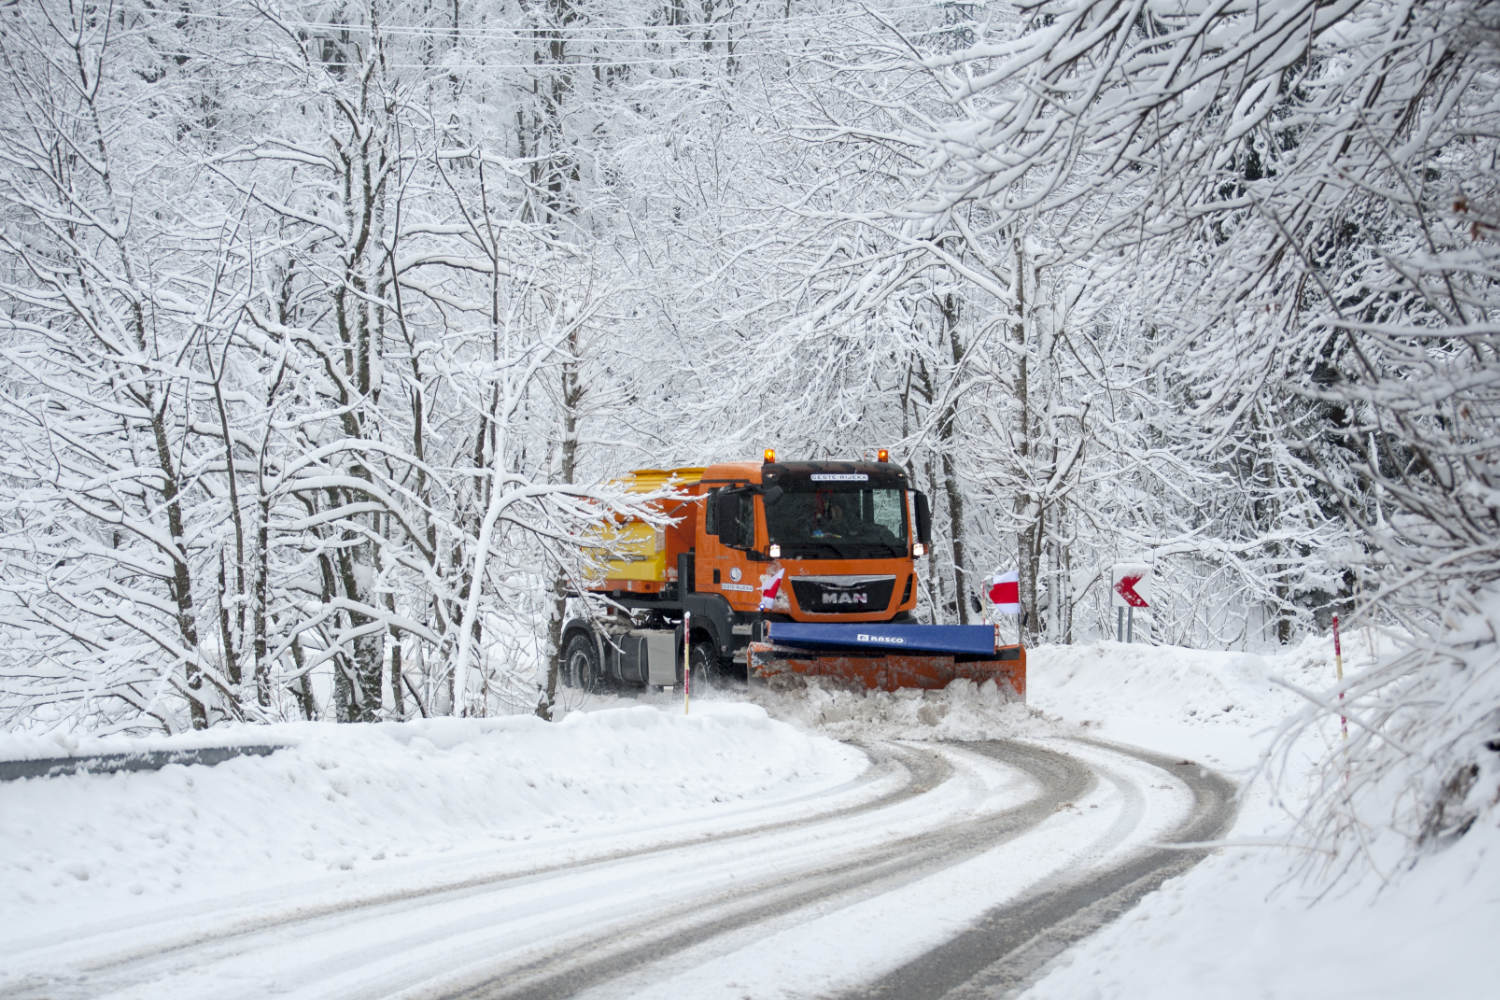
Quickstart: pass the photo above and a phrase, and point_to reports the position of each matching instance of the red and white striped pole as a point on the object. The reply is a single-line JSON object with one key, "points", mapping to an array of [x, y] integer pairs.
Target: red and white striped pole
{"points": [[687, 659], [1338, 662]]}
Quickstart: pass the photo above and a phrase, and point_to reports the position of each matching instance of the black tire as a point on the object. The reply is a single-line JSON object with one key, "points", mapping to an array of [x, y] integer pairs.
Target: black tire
{"points": [[707, 673], [580, 667]]}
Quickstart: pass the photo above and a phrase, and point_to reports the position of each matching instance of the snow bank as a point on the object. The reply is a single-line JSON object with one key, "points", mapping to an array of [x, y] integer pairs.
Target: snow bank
{"points": [[346, 798], [961, 711], [1222, 708], [1321, 890], [1243, 924]]}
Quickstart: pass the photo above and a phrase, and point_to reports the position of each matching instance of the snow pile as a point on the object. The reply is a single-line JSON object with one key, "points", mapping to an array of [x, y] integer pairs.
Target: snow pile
{"points": [[1424, 741], [350, 797], [1336, 881], [1240, 926], [1222, 708], [961, 711]]}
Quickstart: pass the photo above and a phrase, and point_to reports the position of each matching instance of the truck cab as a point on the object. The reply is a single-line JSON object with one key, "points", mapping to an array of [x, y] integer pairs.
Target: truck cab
{"points": [[812, 541]]}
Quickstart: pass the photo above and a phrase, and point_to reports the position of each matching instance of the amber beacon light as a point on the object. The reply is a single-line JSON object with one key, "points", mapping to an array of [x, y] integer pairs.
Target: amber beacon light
{"points": [[770, 456]]}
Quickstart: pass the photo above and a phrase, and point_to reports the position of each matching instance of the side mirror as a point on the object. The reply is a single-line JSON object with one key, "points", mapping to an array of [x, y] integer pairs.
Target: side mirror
{"points": [[924, 518]]}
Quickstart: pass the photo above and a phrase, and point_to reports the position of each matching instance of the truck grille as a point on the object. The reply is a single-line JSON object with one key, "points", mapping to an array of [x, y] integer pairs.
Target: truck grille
{"points": [[834, 595]]}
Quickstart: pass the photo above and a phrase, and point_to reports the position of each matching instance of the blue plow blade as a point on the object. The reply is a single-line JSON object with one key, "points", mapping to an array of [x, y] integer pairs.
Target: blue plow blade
{"points": [[956, 640]]}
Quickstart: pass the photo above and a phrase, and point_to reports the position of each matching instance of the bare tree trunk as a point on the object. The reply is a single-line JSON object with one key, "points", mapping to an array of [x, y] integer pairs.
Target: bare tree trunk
{"points": [[964, 592], [393, 643], [1029, 538], [260, 643], [180, 584], [303, 691], [572, 397]]}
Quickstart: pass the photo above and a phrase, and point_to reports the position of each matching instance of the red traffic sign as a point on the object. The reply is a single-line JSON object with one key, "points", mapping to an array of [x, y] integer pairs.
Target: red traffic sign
{"points": [[1126, 589], [1005, 589], [1127, 577]]}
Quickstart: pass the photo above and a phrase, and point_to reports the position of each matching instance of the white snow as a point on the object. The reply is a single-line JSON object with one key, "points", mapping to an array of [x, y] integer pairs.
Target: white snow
{"points": [[1256, 919], [1262, 919], [840, 948], [348, 798]]}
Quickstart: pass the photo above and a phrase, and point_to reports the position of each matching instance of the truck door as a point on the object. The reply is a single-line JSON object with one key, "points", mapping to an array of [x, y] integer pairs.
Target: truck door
{"points": [[724, 556]]}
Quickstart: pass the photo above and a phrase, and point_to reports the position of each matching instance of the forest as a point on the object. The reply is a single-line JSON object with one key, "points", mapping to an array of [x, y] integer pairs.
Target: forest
{"points": [[325, 324]]}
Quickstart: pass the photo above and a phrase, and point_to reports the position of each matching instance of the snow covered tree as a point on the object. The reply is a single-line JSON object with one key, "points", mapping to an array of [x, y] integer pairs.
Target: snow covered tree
{"points": [[1318, 182], [292, 386], [123, 286]]}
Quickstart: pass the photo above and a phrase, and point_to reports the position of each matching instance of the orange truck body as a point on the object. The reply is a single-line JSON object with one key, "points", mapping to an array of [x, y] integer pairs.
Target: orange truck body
{"points": [[750, 544]]}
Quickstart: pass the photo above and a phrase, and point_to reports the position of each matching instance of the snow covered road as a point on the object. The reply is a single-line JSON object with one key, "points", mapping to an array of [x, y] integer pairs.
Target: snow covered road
{"points": [[739, 851], [813, 886]]}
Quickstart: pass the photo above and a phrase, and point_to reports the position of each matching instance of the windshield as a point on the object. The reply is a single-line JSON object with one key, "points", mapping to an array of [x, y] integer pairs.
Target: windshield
{"points": [[844, 522]]}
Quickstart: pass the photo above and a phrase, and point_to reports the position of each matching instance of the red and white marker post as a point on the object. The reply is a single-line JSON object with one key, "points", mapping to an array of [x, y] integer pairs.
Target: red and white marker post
{"points": [[1005, 598], [687, 659], [1005, 592]]}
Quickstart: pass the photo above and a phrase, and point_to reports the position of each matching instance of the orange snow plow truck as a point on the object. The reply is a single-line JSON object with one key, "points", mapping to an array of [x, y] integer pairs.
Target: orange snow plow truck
{"points": [[775, 568]]}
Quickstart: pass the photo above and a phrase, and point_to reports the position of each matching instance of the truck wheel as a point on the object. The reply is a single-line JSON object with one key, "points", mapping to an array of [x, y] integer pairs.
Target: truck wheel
{"points": [[580, 662], [705, 661]]}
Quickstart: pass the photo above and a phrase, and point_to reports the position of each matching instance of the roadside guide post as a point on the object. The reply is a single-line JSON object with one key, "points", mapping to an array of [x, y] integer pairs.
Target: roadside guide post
{"points": [[1005, 599]]}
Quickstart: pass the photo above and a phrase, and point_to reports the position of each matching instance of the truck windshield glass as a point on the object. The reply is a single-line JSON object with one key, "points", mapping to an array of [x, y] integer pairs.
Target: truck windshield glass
{"points": [[844, 522]]}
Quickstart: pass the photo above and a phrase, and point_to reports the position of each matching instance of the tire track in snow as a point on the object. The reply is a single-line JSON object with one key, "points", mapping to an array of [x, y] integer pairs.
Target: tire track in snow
{"points": [[561, 973], [1003, 953], [95, 961], [618, 920], [881, 940]]}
